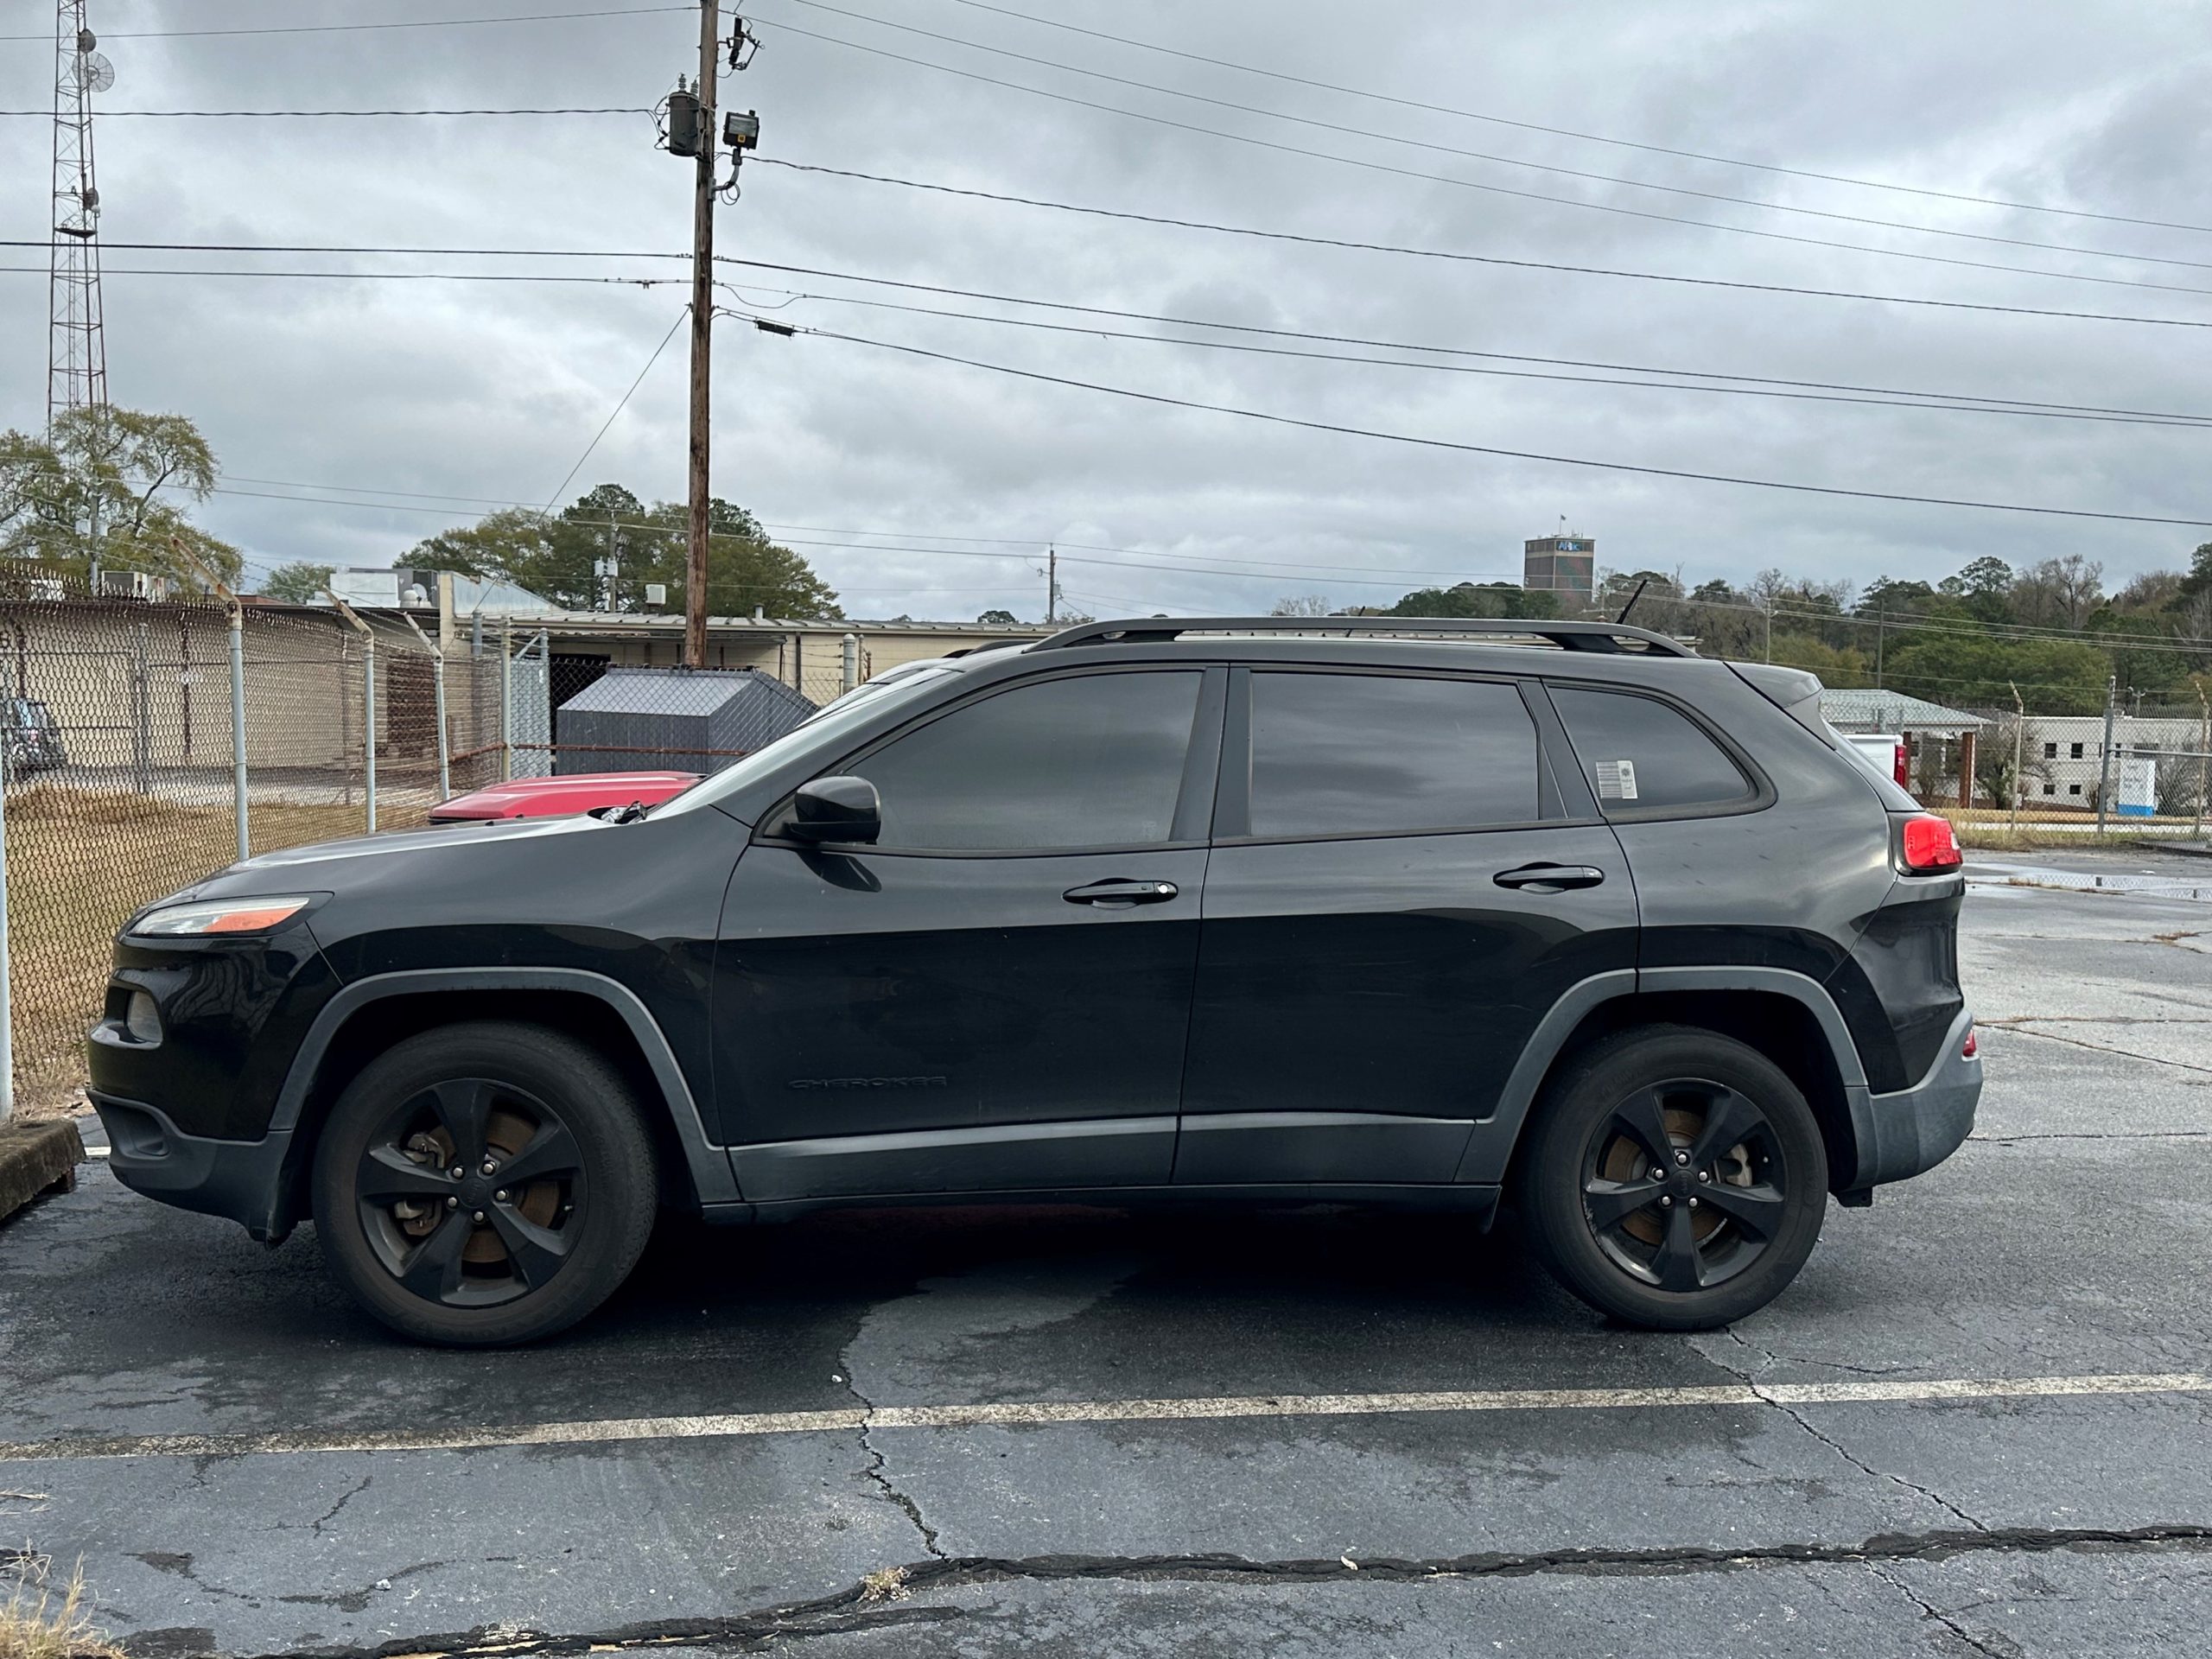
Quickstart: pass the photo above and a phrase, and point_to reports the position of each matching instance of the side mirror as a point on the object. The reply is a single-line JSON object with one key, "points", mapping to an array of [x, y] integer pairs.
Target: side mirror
{"points": [[835, 810]]}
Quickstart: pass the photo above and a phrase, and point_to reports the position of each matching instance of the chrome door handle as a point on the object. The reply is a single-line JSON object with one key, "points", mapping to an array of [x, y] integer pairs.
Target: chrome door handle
{"points": [[1120, 894], [1549, 878]]}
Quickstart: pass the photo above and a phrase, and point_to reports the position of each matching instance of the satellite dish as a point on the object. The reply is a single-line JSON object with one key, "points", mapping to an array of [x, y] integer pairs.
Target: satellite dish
{"points": [[94, 72]]}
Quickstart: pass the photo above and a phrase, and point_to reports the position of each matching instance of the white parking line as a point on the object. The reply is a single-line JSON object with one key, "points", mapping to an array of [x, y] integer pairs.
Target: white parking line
{"points": [[1038, 1413]]}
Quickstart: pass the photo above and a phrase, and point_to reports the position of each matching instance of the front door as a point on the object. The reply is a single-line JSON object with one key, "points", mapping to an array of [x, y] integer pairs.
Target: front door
{"points": [[1400, 889], [996, 994]]}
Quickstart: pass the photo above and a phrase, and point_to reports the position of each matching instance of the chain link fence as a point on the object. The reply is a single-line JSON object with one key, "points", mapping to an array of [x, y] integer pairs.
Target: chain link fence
{"points": [[2021, 768], [120, 745]]}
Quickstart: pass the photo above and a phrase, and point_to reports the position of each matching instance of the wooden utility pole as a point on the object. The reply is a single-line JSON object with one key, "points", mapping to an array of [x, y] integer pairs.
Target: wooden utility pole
{"points": [[702, 318]]}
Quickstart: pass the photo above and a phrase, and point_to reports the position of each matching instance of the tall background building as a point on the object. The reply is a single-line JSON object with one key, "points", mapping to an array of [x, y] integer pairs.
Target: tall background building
{"points": [[1566, 565]]}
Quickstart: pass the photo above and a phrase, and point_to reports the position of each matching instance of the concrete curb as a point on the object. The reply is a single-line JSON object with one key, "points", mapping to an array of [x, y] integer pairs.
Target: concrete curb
{"points": [[36, 1157], [2187, 849]]}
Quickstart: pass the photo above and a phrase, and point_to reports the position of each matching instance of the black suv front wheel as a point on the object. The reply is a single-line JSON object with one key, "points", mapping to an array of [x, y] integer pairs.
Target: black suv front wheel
{"points": [[1676, 1178], [484, 1183]]}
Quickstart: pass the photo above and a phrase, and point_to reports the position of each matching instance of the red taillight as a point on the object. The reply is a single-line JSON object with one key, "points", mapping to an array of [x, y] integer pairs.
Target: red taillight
{"points": [[1929, 844], [1899, 763], [1974, 1045]]}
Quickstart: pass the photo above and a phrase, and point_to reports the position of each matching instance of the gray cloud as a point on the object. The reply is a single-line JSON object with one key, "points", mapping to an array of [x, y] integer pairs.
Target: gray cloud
{"points": [[485, 389]]}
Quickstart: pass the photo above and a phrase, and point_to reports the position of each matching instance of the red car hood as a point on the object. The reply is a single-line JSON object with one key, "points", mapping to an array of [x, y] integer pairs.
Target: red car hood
{"points": [[563, 797]]}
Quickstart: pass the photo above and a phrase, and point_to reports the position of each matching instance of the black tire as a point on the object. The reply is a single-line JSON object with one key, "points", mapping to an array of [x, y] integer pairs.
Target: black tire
{"points": [[1705, 1230], [402, 1232]]}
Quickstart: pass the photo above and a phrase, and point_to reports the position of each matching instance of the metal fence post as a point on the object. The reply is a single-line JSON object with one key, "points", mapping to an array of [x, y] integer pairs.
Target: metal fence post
{"points": [[7, 1005], [2204, 744], [141, 718], [368, 703], [506, 699], [438, 695], [369, 723], [2104, 761], [237, 727], [2019, 733], [850, 676]]}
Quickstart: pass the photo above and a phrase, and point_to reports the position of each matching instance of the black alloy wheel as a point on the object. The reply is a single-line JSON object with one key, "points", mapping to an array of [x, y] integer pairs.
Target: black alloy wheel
{"points": [[471, 1192], [484, 1183], [1675, 1178], [1684, 1184]]}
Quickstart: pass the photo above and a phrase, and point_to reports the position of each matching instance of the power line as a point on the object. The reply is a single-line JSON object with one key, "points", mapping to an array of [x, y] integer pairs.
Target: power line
{"points": [[1880, 395], [1311, 240], [1344, 431], [375, 276], [1029, 542], [1119, 39], [1093, 331], [618, 408], [105, 114], [1895, 621], [1146, 219], [1192, 564], [1493, 190], [1341, 128], [349, 29], [1458, 351], [1266, 570]]}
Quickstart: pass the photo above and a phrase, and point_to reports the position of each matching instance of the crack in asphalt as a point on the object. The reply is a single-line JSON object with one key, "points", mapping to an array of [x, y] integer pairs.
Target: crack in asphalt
{"points": [[862, 1604], [1949, 1621], [2018, 1024], [2092, 1135], [1750, 1380], [344, 1499], [876, 1473]]}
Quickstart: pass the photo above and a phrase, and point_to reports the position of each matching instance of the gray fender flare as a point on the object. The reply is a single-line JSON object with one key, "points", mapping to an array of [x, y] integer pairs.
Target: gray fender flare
{"points": [[709, 1164], [1491, 1148]]}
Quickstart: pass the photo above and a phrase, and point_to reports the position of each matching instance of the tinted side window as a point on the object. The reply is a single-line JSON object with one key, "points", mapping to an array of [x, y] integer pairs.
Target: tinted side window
{"points": [[1092, 761], [1377, 754], [1636, 752]]}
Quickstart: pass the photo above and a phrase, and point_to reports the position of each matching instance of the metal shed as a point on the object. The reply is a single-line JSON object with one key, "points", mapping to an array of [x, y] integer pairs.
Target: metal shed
{"points": [[648, 719]]}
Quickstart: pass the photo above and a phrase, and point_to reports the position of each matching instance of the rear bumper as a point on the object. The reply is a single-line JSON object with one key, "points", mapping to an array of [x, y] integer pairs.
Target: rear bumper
{"points": [[1916, 1129], [240, 1180]]}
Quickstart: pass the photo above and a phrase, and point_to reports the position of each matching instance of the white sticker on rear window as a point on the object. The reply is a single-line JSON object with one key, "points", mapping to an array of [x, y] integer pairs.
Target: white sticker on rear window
{"points": [[1617, 780]]}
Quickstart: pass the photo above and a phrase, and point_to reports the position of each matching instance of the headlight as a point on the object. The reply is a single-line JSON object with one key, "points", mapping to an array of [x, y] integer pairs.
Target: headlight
{"points": [[223, 916]]}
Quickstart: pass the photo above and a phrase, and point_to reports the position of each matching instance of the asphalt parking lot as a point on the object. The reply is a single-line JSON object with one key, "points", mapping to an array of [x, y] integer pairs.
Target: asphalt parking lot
{"points": [[1980, 1422]]}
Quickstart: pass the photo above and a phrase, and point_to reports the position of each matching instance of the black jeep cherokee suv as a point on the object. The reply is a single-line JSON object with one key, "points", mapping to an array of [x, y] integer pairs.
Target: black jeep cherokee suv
{"points": [[1222, 910]]}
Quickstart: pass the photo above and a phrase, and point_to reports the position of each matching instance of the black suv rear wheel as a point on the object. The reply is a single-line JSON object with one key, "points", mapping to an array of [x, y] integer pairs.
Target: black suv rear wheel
{"points": [[1676, 1179], [484, 1183]]}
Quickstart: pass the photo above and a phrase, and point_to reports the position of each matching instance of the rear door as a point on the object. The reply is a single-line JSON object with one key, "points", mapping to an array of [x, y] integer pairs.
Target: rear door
{"points": [[1402, 885], [996, 994]]}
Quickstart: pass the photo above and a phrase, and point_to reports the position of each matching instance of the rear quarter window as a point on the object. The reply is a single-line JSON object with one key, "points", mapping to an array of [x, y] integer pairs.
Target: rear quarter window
{"points": [[1640, 756]]}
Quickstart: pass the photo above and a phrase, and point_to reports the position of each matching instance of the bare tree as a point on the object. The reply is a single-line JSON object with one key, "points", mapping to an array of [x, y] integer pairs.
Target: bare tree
{"points": [[2059, 593], [1301, 604]]}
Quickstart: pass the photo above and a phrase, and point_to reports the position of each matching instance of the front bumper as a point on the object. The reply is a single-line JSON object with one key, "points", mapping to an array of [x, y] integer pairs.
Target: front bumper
{"points": [[1916, 1129], [244, 1181]]}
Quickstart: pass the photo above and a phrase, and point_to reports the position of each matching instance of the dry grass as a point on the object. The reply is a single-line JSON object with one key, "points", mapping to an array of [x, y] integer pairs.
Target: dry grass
{"points": [[33, 1626], [79, 863], [885, 1584], [2053, 832]]}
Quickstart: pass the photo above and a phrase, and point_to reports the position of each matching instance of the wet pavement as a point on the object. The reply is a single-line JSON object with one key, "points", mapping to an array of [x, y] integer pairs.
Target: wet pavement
{"points": [[1084, 1431]]}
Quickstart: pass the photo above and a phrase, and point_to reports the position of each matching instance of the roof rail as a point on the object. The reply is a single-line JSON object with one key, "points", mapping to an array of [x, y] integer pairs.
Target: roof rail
{"points": [[1567, 635]]}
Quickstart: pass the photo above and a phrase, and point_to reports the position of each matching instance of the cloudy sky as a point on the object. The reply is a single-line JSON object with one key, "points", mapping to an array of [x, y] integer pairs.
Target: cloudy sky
{"points": [[387, 408]]}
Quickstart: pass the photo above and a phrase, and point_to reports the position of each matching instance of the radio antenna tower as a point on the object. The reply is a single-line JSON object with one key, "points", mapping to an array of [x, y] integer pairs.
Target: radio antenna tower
{"points": [[76, 353]]}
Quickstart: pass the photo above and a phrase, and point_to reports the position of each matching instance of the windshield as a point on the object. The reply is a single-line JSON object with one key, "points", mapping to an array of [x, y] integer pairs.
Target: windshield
{"points": [[822, 732]]}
